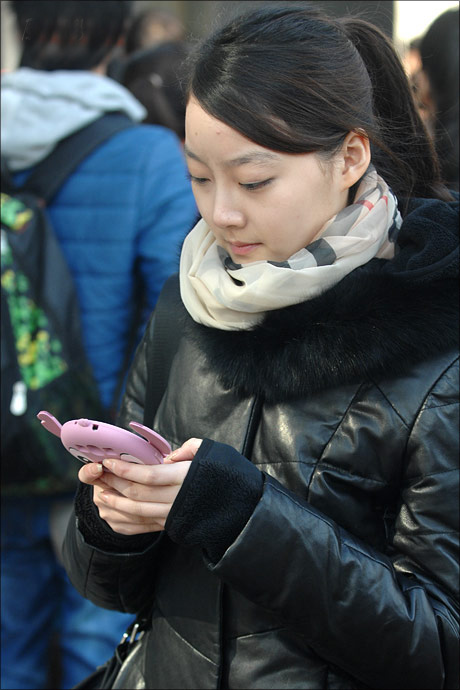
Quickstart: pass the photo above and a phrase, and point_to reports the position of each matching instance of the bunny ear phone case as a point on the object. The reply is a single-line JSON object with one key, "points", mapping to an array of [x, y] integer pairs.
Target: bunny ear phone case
{"points": [[92, 441]]}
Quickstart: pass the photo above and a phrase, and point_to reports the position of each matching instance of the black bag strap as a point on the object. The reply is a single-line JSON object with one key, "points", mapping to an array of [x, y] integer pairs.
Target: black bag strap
{"points": [[166, 337], [48, 176]]}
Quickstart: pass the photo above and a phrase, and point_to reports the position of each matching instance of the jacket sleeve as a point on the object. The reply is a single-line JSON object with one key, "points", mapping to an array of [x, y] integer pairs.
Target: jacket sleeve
{"points": [[390, 621], [111, 580]]}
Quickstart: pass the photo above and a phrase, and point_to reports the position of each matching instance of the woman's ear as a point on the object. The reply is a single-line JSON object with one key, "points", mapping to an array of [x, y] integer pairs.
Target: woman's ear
{"points": [[356, 156]]}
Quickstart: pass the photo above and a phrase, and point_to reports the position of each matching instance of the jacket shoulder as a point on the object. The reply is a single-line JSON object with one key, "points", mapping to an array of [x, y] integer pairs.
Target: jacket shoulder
{"points": [[434, 381]]}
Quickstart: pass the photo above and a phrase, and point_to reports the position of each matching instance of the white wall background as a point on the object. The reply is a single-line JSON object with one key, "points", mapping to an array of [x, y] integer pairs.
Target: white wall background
{"points": [[413, 17]]}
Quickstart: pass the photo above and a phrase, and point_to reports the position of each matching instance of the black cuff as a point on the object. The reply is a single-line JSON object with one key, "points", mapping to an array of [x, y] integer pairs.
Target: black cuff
{"points": [[98, 534], [216, 500]]}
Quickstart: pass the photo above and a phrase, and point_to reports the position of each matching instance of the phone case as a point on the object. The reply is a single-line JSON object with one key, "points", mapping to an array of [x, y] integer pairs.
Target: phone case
{"points": [[92, 441]]}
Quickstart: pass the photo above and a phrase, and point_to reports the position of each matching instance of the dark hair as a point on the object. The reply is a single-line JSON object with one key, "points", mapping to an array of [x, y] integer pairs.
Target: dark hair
{"points": [[154, 76], [439, 53], [293, 80], [69, 34]]}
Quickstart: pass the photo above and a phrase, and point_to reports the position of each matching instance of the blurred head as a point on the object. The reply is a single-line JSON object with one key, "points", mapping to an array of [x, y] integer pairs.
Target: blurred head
{"points": [[438, 81], [294, 81], [152, 27], [154, 76], [439, 52], [69, 34]]}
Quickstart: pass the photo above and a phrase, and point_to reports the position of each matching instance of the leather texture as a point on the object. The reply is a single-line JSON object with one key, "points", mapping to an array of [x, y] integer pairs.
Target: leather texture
{"points": [[132, 672], [346, 573]]}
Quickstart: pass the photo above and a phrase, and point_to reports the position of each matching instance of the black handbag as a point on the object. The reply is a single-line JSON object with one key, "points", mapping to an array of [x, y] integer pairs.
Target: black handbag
{"points": [[126, 668]]}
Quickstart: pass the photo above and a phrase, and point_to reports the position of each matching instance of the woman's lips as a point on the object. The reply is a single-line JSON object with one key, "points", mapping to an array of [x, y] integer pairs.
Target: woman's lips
{"points": [[243, 249]]}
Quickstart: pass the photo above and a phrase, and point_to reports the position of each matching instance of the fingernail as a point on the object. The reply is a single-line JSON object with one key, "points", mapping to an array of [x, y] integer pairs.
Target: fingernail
{"points": [[97, 468], [107, 463]]}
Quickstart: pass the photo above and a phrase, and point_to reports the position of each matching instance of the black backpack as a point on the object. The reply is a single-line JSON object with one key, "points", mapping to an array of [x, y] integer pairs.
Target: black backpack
{"points": [[43, 362]]}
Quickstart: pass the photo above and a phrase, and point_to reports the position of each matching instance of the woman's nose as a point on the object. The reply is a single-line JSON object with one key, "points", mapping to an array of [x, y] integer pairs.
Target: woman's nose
{"points": [[225, 214]]}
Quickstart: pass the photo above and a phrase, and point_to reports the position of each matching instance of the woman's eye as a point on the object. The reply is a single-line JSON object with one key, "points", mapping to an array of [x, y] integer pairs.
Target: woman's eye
{"points": [[250, 186], [197, 180]]}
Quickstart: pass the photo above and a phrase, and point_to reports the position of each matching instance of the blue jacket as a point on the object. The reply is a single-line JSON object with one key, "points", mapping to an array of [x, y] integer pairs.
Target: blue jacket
{"points": [[124, 211]]}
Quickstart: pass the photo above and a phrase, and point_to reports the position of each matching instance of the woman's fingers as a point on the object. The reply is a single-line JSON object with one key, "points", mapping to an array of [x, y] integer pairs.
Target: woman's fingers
{"points": [[187, 451], [150, 475], [137, 520], [159, 493], [142, 511], [134, 498], [90, 472]]}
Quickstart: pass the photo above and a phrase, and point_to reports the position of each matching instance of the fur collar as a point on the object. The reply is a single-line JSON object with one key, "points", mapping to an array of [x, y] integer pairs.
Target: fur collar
{"points": [[377, 322]]}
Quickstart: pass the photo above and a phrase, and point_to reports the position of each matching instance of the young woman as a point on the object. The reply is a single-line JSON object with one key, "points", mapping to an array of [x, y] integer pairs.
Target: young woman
{"points": [[303, 532]]}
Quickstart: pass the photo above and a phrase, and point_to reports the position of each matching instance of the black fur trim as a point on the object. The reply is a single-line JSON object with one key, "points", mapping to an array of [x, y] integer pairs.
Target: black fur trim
{"points": [[377, 322], [369, 326]]}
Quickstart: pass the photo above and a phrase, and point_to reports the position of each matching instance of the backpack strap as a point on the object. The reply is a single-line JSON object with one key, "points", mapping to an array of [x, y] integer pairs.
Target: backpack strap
{"points": [[166, 338], [49, 175]]}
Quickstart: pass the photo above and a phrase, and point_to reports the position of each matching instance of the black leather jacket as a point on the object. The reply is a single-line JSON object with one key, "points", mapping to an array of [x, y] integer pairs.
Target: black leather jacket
{"points": [[330, 560]]}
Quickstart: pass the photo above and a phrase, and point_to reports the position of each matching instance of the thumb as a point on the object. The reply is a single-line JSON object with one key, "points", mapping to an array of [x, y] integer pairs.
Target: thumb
{"points": [[90, 472], [186, 452]]}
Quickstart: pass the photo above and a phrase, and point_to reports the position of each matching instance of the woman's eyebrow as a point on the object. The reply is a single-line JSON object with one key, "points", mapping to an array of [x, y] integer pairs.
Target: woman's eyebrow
{"points": [[254, 157], [257, 157], [190, 154]]}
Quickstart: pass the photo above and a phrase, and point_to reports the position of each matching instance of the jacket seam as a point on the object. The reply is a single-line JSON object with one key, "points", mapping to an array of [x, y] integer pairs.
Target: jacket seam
{"points": [[439, 612], [385, 397], [249, 431], [411, 478], [340, 470], [423, 406], [436, 407], [424, 533], [186, 642], [91, 556], [327, 443], [320, 517], [257, 632]]}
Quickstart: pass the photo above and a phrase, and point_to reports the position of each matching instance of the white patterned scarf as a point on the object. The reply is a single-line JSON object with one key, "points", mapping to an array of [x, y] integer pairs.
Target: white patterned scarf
{"points": [[222, 294]]}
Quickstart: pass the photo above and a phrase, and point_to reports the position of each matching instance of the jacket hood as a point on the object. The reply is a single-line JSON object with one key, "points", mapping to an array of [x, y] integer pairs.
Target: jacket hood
{"points": [[40, 108], [377, 322]]}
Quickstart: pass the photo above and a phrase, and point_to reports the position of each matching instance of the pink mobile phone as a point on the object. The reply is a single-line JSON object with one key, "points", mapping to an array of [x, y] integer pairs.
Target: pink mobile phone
{"points": [[92, 441]]}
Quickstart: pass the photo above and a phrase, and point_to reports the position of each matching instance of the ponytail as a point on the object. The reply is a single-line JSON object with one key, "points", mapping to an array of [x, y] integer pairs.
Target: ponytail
{"points": [[402, 151], [328, 77]]}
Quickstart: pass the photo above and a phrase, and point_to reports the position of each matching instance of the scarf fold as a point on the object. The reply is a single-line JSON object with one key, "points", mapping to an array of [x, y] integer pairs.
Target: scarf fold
{"points": [[222, 294]]}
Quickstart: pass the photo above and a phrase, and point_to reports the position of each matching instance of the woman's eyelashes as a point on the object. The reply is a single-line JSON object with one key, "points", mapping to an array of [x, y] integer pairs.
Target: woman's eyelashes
{"points": [[250, 186], [197, 180]]}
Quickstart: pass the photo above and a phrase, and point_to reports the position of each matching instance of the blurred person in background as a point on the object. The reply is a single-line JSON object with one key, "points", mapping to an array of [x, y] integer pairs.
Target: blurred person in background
{"points": [[151, 66], [151, 27], [432, 63], [119, 218], [154, 76]]}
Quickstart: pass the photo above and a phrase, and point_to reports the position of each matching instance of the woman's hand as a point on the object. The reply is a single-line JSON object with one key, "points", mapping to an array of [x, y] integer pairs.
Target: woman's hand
{"points": [[187, 451], [136, 499]]}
